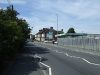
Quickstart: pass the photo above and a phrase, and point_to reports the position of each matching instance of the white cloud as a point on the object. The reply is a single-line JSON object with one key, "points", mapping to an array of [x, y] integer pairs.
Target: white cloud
{"points": [[84, 13], [13, 1], [37, 23], [19, 2], [80, 8]]}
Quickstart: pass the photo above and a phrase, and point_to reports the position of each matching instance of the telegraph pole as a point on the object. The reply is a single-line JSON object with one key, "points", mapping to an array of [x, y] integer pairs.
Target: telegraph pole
{"points": [[57, 26], [57, 23], [11, 6]]}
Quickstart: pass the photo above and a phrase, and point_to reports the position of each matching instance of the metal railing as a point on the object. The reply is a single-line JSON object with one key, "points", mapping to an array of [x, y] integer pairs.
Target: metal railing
{"points": [[90, 43]]}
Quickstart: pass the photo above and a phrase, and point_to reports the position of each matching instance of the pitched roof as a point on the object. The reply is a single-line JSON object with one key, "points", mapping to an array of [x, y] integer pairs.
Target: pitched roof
{"points": [[45, 30]]}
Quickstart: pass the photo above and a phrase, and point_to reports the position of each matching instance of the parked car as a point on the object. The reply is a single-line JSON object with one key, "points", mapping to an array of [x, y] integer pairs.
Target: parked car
{"points": [[55, 42], [45, 41]]}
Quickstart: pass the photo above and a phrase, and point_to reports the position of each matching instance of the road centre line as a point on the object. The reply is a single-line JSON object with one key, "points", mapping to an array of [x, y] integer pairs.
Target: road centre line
{"points": [[83, 60], [78, 58], [90, 62]]}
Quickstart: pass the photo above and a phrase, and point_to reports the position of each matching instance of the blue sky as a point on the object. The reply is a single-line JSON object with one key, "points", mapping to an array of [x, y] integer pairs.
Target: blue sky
{"points": [[83, 15]]}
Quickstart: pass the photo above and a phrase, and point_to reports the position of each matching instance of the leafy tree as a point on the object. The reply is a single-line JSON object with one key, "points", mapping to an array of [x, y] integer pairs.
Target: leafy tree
{"points": [[60, 32], [13, 34], [71, 30]]}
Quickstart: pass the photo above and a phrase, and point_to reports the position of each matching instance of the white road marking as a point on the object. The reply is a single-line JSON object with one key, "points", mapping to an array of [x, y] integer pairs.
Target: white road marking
{"points": [[90, 62], [78, 58], [83, 60], [44, 64], [66, 54], [57, 51], [50, 72], [36, 56]]}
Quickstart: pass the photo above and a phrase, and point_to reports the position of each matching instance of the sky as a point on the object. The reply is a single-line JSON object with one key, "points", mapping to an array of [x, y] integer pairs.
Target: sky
{"points": [[83, 15]]}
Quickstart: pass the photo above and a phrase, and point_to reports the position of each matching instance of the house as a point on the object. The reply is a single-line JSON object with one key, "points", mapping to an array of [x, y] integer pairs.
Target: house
{"points": [[46, 34]]}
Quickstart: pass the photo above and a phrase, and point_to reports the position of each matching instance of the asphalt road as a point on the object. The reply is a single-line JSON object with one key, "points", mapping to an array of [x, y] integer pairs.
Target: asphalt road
{"points": [[66, 62], [62, 61]]}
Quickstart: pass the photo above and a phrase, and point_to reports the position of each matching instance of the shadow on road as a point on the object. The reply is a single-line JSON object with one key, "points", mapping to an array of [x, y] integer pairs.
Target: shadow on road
{"points": [[33, 49], [25, 63]]}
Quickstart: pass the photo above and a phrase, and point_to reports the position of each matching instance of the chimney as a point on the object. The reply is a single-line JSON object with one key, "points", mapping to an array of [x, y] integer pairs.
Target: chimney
{"points": [[62, 30], [51, 27], [43, 28]]}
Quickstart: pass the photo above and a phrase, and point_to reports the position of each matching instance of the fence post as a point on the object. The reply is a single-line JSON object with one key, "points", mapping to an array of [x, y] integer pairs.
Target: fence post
{"points": [[99, 44], [82, 42], [63, 41], [77, 42], [93, 41]]}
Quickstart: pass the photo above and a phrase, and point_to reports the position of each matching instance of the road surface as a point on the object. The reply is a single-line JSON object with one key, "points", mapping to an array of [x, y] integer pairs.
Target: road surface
{"points": [[60, 60], [66, 62]]}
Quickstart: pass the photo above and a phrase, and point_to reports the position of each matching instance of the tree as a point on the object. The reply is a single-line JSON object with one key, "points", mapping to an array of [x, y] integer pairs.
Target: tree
{"points": [[71, 30], [60, 32], [13, 34]]}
